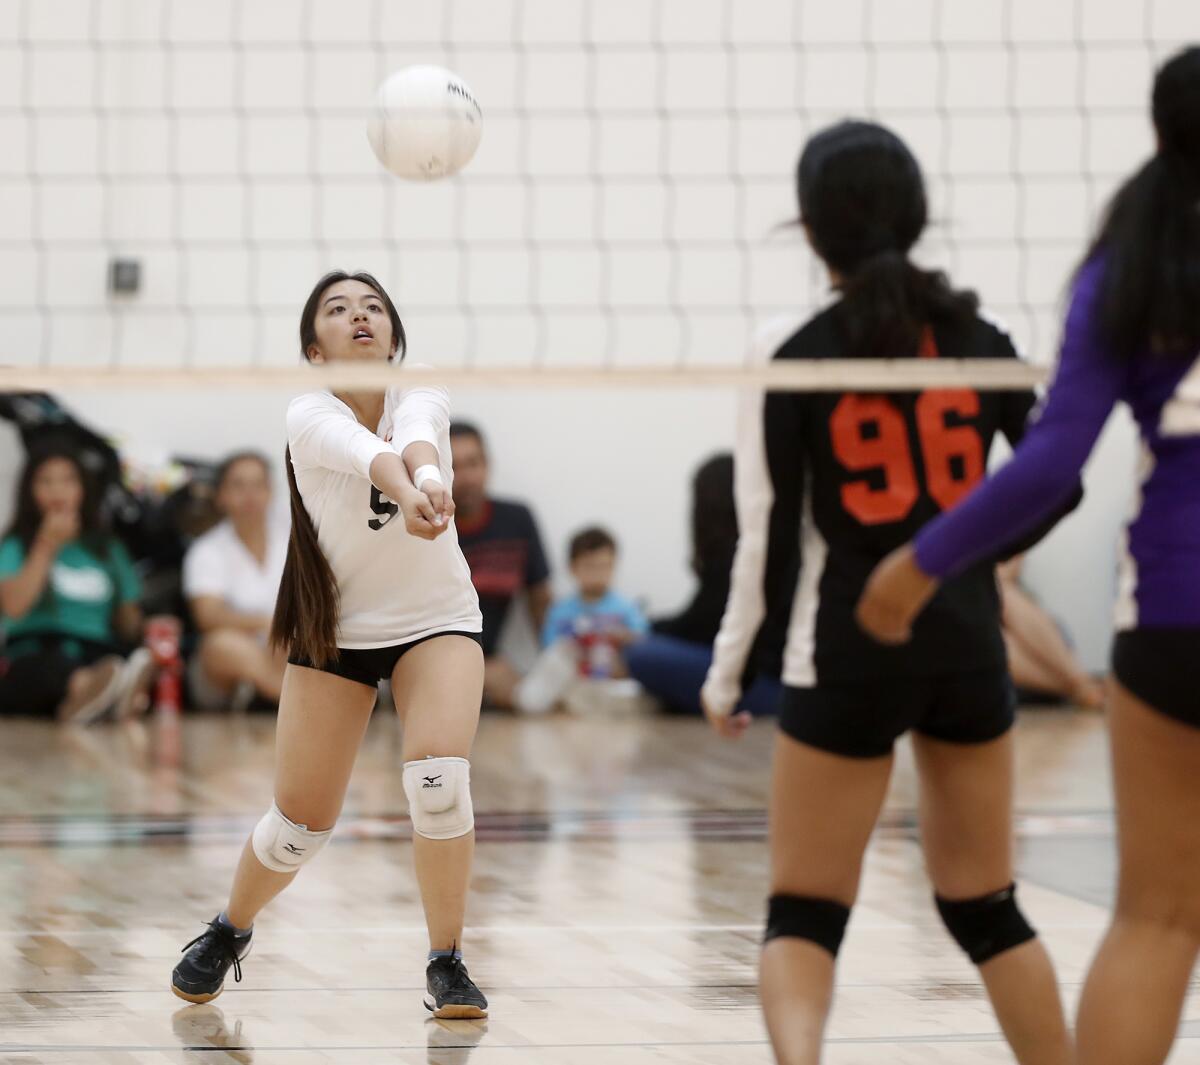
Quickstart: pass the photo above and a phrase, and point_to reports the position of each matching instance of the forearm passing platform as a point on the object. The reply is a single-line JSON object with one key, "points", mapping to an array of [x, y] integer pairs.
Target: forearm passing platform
{"points": [[282, 845], [439, 797]]}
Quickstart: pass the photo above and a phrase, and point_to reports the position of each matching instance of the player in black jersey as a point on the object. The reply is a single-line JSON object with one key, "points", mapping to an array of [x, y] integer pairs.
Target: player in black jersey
{"points": [[827, 484]]}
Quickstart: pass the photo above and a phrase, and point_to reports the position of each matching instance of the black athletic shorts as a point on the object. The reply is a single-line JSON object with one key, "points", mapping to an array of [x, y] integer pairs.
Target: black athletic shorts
{"points": [[1161, 667], [865, 720], [371, 665]]}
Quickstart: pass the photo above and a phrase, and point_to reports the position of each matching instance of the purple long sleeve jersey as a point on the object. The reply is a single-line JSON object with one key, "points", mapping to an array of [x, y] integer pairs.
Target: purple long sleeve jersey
{"points": [[1160, 568]]}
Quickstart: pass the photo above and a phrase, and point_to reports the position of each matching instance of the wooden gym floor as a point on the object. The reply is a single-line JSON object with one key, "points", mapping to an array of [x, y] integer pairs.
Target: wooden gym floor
{"points": [[615, 912]]}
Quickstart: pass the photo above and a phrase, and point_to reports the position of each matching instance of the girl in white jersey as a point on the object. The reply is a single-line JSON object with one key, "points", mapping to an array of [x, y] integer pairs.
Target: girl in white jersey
{"points": [[375, 587]]}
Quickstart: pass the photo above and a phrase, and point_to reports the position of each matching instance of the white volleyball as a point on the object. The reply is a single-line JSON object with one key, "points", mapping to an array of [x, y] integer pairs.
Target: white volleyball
{"points": [[426, 123]]}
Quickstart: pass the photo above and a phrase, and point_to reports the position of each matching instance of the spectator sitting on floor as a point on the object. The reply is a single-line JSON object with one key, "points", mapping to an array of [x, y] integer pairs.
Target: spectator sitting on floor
{"points": [[231, 578], [585, 633], [672, 661], [596, 618], [502, 546], [69, 596], [1042, 665]]}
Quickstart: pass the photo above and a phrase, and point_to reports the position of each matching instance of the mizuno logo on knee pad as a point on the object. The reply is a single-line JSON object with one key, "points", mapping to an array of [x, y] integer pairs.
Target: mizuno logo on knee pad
{"points": [[282, 845], [439, 797]]}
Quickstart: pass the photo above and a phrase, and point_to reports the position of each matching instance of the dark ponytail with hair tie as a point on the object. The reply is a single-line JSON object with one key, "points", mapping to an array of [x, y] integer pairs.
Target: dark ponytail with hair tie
{"points": [[862, 201], [1149, 238]]}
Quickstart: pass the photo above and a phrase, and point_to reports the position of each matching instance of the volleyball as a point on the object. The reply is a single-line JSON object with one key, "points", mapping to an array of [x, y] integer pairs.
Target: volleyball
{"points": [[426, 123]]}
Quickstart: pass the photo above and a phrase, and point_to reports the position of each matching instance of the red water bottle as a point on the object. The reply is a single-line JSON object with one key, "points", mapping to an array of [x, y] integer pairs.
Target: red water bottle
{"points": [[162, 638]]}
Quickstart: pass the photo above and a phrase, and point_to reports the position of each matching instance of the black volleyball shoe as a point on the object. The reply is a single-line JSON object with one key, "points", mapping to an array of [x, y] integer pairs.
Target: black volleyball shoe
{"points": [[450, 991], [200, 977]]}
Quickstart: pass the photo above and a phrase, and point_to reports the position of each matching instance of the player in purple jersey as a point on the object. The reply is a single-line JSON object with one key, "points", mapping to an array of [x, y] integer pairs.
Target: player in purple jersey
{"points": [[1132, 334]]}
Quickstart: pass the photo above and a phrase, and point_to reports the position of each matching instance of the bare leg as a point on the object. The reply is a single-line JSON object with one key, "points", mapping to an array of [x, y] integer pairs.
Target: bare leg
{"points": [[322, 719], [1134, 993], [1031, 673], [823, 808], [1029, 626], [87, 684], [230, 658], [438, 686], [966, 827]]}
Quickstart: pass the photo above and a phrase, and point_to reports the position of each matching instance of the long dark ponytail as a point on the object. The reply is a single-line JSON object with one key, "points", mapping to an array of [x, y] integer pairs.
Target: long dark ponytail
{"points": [[1150, 235], [862, 200], [306, 615]]}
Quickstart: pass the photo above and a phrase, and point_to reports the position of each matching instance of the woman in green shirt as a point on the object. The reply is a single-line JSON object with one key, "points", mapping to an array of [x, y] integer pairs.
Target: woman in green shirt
{"points": [[68, 596]]}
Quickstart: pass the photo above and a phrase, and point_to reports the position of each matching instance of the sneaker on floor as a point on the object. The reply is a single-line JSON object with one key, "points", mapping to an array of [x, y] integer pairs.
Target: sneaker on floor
{"points": [[200, 977], [451, 992], [137, 677], [97, 696]]}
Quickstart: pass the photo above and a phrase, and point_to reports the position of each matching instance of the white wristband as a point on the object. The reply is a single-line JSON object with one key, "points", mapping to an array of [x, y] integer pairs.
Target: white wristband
{"points": [[426, 473]]}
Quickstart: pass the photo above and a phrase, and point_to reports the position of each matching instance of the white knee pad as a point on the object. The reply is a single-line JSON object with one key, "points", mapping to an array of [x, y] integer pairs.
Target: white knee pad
{"points": [[439, 797], [284, 846]]}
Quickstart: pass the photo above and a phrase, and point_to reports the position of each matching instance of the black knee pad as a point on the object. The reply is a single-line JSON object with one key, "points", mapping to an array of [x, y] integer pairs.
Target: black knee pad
{"points": [[986, 926], [820, 921]]}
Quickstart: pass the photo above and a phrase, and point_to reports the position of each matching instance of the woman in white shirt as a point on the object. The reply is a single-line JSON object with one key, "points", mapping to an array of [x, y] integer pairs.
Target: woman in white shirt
{"points": [[375, 587], [231, 578]]}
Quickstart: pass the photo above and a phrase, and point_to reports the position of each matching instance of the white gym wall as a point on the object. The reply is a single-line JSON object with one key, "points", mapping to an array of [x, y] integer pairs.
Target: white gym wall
{"points": [[636, 159]]}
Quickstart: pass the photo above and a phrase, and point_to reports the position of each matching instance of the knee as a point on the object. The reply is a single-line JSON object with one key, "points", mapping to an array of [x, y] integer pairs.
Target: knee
{"points": [[1170, 912], [439, 797], [819, 921], [218, 646], [283, 845], [986, 926]]}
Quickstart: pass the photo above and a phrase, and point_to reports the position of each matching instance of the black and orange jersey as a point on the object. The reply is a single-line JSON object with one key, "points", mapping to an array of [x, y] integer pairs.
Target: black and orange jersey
{"points": [[829, 483]]}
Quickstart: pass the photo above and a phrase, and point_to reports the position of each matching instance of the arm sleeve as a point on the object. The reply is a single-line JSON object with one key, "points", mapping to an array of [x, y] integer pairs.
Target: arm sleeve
{"points": [[422, 414], [768, 490], [1014, 407], [1044, 471], [129, 585], [12, 557], [537, 569], [322, 434]]}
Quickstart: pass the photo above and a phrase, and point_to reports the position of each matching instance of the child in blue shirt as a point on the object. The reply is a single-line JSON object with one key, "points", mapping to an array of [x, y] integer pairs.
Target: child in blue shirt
{"points": [[598, 619]]}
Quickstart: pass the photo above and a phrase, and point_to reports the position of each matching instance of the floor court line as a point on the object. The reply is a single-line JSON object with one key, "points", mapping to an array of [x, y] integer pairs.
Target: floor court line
{"points": [[870, 1040], [541, 930]]}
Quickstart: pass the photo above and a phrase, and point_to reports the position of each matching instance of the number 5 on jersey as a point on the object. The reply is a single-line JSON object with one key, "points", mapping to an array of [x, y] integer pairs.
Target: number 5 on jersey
{"points": [[382, 506], [869, 433]]}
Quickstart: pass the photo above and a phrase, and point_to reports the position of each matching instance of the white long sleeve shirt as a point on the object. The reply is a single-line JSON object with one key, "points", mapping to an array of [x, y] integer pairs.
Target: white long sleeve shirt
{"points": [[394, 587]]}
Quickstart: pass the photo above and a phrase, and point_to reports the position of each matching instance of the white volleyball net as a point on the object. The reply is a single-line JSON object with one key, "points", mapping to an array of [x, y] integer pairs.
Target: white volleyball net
{"points": [[623, 211], [620, 224]]}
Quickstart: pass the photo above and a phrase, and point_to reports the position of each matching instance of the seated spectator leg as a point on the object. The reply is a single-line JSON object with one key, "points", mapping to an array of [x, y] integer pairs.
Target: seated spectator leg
{"points": [[34, 684], [229, 658], [500, 682], [1039, 658], [1028, 674], [671, 670]]}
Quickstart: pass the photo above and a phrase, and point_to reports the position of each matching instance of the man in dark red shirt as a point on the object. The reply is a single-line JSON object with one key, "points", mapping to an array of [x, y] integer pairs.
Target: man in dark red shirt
{"points": [[502, 546]]}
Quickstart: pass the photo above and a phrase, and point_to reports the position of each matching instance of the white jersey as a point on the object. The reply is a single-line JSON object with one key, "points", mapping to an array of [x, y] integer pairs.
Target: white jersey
{"points": [[394, 587]]}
